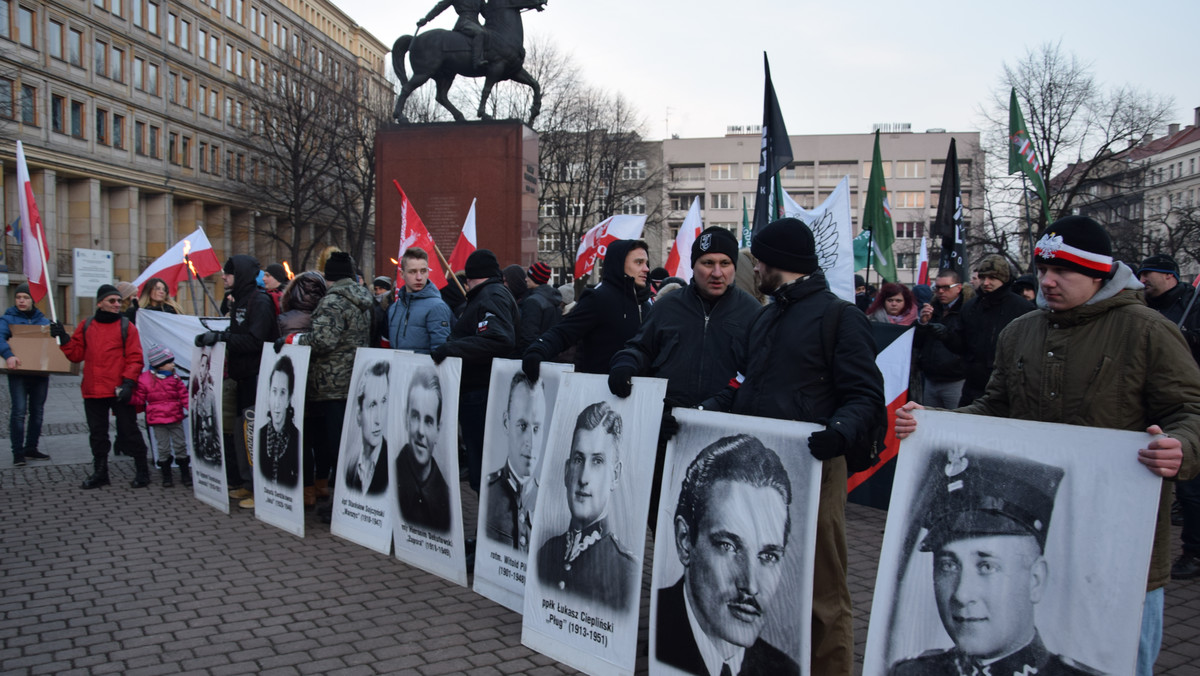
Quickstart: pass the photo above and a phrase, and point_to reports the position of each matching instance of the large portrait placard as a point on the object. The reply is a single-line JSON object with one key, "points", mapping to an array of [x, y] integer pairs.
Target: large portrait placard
{"points": [[206, 444], [426, 498], [279, 436], [514, 443], [733, 552], [1018, 546], [362, 510], [589, 529]]}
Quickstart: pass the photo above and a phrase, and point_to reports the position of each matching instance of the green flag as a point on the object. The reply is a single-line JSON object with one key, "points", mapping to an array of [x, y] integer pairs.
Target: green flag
{"points": [[877, 218], [1021, 154], [860, 249], [745, 225]]}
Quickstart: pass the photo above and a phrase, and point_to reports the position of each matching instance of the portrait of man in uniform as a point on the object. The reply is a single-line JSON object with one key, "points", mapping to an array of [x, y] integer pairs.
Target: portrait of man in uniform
{"points": [[424, 495], [206, 442], [366, 469], [588, 561], [512, 489], [986, 525], [731, 527]]}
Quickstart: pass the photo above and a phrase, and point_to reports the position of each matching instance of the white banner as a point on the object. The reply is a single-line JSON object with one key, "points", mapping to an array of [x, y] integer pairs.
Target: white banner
{"points": [[589, 531], [206, 444], [1020, 545], [831, 227], [736, 536], [178, 334], [514, 442], [279, 436]]}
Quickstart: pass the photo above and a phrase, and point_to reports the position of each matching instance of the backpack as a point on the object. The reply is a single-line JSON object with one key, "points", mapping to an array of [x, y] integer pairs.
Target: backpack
{"points": [[863, 452]]}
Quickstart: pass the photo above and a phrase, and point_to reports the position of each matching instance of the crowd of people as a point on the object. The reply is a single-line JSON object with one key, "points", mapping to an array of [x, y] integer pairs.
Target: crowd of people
{"points": [[1076, 344]]}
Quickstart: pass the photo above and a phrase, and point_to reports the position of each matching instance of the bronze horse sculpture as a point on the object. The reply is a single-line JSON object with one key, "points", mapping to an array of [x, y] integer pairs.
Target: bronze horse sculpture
{"points": [[441, 55]]}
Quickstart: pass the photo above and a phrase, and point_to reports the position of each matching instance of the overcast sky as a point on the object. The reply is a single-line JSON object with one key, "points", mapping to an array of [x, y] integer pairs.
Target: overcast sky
{"points": [[692, 68]]}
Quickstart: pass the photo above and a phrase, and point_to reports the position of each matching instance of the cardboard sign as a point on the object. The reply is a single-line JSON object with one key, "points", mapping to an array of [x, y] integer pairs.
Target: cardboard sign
{"points": [[38, 350]]}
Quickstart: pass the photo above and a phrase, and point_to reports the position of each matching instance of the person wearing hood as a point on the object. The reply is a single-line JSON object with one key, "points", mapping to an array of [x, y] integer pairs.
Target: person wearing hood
{"points": [[1026, 287], [983, 317], [252, 322], [486, 329], [341, 323], [540, 306], [603, 318], [27, 391], [111, 352], [1093, 354], [418, 320]]}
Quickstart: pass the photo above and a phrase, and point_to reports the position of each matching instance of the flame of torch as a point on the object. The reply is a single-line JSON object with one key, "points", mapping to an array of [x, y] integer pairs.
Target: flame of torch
{"points": [[288, 269], [187, 246]]}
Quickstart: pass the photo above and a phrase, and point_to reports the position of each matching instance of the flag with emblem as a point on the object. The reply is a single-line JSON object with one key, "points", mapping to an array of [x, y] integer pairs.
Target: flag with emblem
{"points": [[776, 151], [595, 241], [1022, 155], [413, 233], [877, 218]]}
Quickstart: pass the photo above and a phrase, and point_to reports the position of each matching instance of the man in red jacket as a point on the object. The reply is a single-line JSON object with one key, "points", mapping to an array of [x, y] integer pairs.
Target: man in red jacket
{"points": [[108, 345]]}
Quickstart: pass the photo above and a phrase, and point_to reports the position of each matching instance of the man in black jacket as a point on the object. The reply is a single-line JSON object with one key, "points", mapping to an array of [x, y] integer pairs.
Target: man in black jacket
{"points": [[486, 329], [942, 371], [541, 306], [603, 318], [788, 375]]}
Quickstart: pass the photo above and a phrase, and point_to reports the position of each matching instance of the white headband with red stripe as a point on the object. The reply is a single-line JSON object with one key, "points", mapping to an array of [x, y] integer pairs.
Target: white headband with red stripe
{"points": [[1053, 247]]}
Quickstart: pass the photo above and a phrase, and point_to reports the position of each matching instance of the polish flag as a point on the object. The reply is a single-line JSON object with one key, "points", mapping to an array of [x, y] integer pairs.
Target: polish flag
{"points": [[172, 266], [414, 233], [893, 357], [923, 264], [682, 250], [33, 234], [595, 242], [466, 244]]}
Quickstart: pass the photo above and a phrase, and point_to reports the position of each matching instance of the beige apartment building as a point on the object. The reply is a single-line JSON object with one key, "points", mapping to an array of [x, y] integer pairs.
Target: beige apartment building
{"points": [[131, 114]]}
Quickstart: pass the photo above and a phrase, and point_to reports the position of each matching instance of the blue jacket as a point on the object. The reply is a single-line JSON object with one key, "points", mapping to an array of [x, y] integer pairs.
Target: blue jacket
{"points": [[13, 316], [419, 321]]}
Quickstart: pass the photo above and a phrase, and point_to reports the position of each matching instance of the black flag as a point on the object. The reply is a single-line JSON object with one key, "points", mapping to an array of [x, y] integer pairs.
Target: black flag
{"points": [[948, 224], [775, 154]]}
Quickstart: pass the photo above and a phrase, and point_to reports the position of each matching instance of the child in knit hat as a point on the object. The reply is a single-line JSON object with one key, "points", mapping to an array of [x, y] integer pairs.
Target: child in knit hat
{"points": [[165, 398]]}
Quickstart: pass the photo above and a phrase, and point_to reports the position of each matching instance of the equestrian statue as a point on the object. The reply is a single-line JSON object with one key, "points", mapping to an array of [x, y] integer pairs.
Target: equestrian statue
{"points": [[492, 50]]}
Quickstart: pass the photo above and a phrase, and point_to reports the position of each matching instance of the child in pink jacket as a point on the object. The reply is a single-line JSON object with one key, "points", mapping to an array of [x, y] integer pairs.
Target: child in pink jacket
{"points": [[165, 399]]}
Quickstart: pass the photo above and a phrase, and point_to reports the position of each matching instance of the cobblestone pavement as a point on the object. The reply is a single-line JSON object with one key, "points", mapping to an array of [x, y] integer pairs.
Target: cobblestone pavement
{"points": [[150, 581]]}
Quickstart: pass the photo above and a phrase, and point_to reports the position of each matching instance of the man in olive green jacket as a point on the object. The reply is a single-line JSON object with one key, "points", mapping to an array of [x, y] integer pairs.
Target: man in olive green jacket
{"points": [[1097, 356]]}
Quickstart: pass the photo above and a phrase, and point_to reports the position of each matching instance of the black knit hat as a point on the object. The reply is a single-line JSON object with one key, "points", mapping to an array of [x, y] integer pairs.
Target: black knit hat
{"points": [[1160, 263], [276, 270], [105, 291], [23, 287], [1077, 243], [339, 266], [482, 264], [786, 244], [715, 239]]}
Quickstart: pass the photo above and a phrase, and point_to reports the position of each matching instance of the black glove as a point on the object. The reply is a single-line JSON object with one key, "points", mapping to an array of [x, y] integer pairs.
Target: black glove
{"points": [[279, 343], [669, 426], [531, 364], [57, 330], [208, 338], [125, 391], [826, 444], [439, 355], [620, 381]]}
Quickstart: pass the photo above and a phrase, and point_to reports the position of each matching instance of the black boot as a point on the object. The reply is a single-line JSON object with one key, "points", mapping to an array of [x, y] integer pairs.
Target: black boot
{"points": [[166, 472], [99, 475], [185, 471], [141, 477]]}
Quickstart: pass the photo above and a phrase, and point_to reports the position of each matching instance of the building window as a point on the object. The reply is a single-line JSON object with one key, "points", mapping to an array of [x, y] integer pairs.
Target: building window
{"points": [[25, 24], [633, 205], [547, 209], [173, 148], [633, 170], [836, 170], [749, 171], [155, 150], [228, 57], [185, 151], [75, 47], [687, 173], [139, 68], [185, 32], [910, 169], [548, 242], [135, 7], [214, 50], [152, 79], [907, 200], [238, 59], [54, 39], [118, 132], [28, 105], [214, 154], [202, 100], [58, 106], [203, 156], [908, 261], [213, 99], [151, 18], [100, 56], [684, 202], [139, 138], [5, 19], [185, 92], [77, 119], [720, 172], [910, 230], [202, 43], [6, 98], [102, 126], [803, 171], [721, 200], [116, 64]]}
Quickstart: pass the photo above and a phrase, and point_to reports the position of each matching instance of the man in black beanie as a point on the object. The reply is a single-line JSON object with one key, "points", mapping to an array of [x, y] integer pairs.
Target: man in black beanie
{"points": [[1094, 355], [486, 329], [789, 373]]}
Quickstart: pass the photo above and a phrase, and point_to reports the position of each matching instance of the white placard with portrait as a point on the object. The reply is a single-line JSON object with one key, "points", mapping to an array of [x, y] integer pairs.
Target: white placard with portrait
{"points": [[279, 436], [589, 530], [1021, 545], [206, 444]]}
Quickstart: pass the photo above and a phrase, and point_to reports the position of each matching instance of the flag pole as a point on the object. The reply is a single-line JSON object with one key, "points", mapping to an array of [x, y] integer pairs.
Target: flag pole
{"points": [[45, 270], [446, 266], [1028, 221], [870, 253]]}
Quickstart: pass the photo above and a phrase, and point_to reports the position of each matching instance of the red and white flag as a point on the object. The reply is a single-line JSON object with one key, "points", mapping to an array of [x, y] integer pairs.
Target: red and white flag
{"points": [[466, 242], [33, 234], [413, 233], [595, 241], [172, 266], [681, 251], [894, 359], [923, 264]]}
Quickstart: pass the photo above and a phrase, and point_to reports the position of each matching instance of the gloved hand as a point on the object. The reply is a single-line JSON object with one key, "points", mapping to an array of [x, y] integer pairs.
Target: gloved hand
{"points": [[620, 381], [826, 444], [279, 343], [209, 338], [669, 426], [57, 330], [439, 355], [125, 391], [531, 364]]}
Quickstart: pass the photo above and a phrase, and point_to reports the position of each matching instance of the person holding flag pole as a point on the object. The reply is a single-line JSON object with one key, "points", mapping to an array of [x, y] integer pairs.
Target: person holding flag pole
{"points": [[34, 235]]}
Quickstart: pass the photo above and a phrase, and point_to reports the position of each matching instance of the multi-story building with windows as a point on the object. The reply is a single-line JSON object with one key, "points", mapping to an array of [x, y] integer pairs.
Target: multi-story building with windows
{"points": [[133, 116]]}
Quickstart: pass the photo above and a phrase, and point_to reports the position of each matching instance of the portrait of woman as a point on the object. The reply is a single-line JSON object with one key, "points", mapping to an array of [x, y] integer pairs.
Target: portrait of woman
{"points": [[279, 439]]}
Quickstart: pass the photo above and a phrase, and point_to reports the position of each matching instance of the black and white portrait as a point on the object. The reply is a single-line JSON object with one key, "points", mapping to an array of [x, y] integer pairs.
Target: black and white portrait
{"points": [[1010, 548], [278, 437], [210, 484], [513, 446], [733, 550], [588, 540], [367, 461]]}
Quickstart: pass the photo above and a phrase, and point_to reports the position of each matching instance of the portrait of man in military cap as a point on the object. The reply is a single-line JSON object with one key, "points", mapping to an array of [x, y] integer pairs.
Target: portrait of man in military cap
{"points": [[512, 489], [986, 523]]}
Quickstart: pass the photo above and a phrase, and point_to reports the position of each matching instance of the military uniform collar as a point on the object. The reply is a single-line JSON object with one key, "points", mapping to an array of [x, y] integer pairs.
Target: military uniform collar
{"points": [[579, 541]]}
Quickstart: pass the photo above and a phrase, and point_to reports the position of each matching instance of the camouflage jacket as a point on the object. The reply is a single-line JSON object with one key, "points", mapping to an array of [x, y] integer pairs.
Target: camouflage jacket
{"points": [[341, 323]]}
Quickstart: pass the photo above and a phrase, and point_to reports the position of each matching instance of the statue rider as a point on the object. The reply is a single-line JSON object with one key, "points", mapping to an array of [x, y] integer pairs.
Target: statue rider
{"points": [[467, 24]]}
